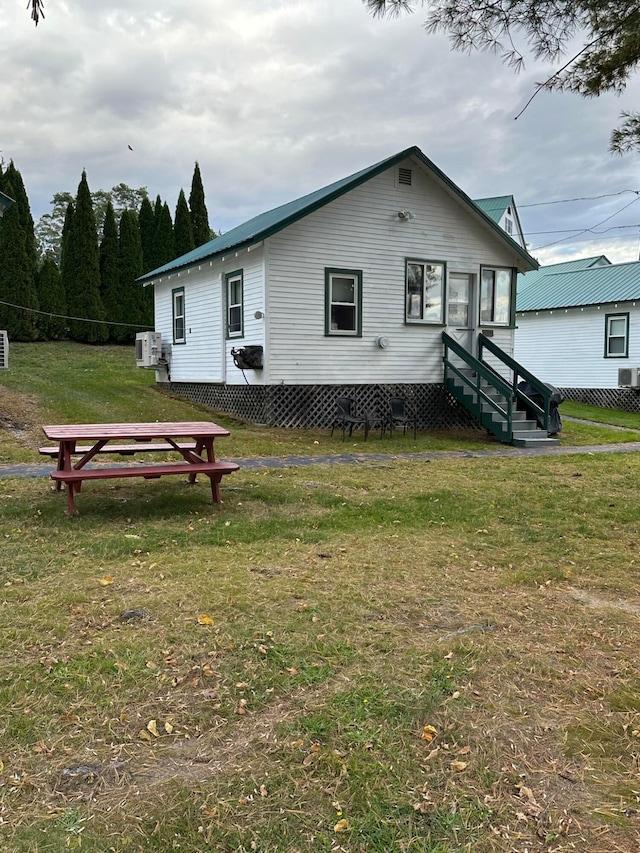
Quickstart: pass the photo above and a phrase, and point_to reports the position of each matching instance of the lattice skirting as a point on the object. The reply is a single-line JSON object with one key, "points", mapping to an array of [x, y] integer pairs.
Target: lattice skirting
{"points": [[315, 405], [626, 399]]}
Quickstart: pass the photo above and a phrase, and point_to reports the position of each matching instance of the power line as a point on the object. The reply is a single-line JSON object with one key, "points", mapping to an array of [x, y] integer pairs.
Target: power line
{"points": [[580, 198], [571, 230], [588, 230], [77, 319]]}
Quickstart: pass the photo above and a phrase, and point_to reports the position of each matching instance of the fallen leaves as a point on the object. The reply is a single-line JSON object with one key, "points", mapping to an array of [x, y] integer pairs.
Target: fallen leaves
{"points": [[203, 619]]}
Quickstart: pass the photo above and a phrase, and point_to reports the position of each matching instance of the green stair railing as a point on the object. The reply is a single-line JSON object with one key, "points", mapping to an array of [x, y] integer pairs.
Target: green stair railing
{"points": [[519, 373], [497, 417]]}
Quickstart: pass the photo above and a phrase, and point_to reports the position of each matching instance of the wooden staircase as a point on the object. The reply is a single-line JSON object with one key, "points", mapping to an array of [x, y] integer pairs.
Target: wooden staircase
{"points": [[496, 402]]}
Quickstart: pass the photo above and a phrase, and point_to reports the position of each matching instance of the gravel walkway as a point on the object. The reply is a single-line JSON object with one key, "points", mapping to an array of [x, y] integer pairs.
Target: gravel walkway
{"points": [[252, 464]]}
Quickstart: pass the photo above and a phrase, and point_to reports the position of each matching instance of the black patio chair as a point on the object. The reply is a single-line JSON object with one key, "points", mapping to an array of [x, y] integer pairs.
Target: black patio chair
{"points": [[345, 419], [401, 413]]}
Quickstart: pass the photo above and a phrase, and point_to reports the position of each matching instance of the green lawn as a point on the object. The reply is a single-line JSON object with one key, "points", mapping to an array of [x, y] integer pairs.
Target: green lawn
{"points": [[391, 656]]}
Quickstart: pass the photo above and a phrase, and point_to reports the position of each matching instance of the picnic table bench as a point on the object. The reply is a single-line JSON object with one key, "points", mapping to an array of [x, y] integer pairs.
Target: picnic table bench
{"points": [[198, 456]]}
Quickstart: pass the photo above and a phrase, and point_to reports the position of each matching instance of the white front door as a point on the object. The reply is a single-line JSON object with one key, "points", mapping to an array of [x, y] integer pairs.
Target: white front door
{"points": [[461, 310]]}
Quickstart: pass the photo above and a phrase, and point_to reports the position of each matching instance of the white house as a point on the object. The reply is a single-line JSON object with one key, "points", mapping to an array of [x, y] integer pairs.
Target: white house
{"points": [[579, 329], [351, 285]]}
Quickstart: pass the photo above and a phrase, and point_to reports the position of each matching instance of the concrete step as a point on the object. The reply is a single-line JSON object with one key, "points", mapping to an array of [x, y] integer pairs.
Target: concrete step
{"points": [[535, 442]]}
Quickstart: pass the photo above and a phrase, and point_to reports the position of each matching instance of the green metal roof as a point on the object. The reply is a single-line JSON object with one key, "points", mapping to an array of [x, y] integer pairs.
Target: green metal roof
{"points": [[266, 224], [595, 285], [526, 279], [496, 206]]}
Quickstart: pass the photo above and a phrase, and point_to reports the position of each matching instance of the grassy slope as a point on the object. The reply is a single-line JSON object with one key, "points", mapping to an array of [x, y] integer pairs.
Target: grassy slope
{"points": [[392, 656]]}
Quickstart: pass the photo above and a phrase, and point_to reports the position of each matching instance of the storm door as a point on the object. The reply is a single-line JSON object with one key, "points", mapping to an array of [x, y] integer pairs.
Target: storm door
{"points": [[461, 310]]}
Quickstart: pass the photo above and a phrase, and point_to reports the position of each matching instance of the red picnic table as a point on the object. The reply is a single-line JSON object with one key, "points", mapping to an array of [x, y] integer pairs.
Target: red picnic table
{"points": [[198, 455]]}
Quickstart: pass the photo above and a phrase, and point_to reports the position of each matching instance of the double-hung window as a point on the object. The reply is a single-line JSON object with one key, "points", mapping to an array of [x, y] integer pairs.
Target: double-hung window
{"points": [[177, 299], [616, 342], [343, 302], [424, 291], [496, 296], [235, 304]]}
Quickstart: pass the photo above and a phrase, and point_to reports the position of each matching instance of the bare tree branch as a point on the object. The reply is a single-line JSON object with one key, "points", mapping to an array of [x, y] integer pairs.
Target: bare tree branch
{"points": [[37, 10]]}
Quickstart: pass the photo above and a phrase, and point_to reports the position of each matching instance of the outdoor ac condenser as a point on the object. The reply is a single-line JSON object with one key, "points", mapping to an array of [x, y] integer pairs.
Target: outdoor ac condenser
{"points": [[148, 349], [4, 351], [629, 377]]}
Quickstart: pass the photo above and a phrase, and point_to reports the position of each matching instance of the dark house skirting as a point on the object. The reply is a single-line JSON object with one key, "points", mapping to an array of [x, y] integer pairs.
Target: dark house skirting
{"points": [[315, 405], [626, 399]]}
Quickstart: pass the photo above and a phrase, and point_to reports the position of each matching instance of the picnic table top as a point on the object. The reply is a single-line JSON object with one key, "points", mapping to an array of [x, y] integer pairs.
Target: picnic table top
{"points": [[138, 431]]}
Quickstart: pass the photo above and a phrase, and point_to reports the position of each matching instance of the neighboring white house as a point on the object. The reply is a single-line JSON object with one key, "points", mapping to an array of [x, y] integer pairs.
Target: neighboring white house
{"points": [[579, 328], [351, 285]]}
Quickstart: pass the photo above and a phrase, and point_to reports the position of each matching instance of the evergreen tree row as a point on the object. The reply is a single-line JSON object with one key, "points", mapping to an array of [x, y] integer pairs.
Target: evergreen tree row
{"points": [[91, 295]]}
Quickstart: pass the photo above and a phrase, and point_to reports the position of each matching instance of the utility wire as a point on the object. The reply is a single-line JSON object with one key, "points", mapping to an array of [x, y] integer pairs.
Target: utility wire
{"points": [[581, 198], [587, 230], [77, 319], [572, 230]]}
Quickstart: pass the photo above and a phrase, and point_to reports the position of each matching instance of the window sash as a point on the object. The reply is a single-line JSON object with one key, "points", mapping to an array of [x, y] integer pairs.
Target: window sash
{"points": [[343, 302], [496, 293], [235, 304], [616, 335], [178, 317], [424, 291]]}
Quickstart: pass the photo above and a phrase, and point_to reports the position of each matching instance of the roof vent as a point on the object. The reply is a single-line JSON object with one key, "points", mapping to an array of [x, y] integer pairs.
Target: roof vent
{"points": [[404, 176]]}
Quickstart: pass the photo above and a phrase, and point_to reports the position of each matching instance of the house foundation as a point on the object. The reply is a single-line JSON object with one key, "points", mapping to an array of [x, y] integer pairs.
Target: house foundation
{"points": [[314, 406], [625, 399]]}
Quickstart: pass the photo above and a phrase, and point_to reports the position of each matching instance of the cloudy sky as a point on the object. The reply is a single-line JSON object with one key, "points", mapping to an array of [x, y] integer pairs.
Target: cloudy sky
{"points": [[276, 98]]}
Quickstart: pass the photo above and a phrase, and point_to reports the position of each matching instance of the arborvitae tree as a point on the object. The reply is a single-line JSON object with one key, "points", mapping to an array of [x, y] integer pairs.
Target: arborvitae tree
{"points": [[13, 177], [199, 216], [17, 285], [182, 228], [147, 225], [109, 274], [130, 267], [164, 248], [67, 263], [83, 286], [52, 299]]}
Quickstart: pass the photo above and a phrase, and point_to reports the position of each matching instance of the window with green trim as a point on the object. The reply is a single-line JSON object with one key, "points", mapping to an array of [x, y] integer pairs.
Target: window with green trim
{"points": [[343, 302], [496, 296], [235, 304], [424, 291], [177, 299], [616, 341]]}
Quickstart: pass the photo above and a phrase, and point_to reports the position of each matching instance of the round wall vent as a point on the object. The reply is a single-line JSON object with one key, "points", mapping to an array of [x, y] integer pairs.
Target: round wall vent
{"points": [[382, 341]]}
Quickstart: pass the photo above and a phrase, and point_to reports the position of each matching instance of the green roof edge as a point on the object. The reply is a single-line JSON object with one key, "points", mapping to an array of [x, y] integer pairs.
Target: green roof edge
{"points": [[346, 185]]}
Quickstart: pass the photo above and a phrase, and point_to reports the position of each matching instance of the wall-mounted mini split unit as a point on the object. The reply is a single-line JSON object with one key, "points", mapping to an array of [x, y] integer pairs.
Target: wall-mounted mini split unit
{"points": [[4, 351], [629, 377], [148, 349]]}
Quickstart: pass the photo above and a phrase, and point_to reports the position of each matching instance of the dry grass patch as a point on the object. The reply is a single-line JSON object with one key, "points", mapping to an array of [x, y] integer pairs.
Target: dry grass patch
{"points": [[427, 657]]}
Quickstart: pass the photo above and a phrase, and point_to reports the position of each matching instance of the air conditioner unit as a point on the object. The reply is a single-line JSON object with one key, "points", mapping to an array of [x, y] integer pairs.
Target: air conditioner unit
{"points": [[148, 349], [4, 351], [629, 377]]}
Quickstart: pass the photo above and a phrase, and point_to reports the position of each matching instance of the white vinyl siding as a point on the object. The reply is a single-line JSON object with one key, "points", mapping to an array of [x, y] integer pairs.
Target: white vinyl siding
{"points": [[362, 231], [206, 354], [565, 347]]}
